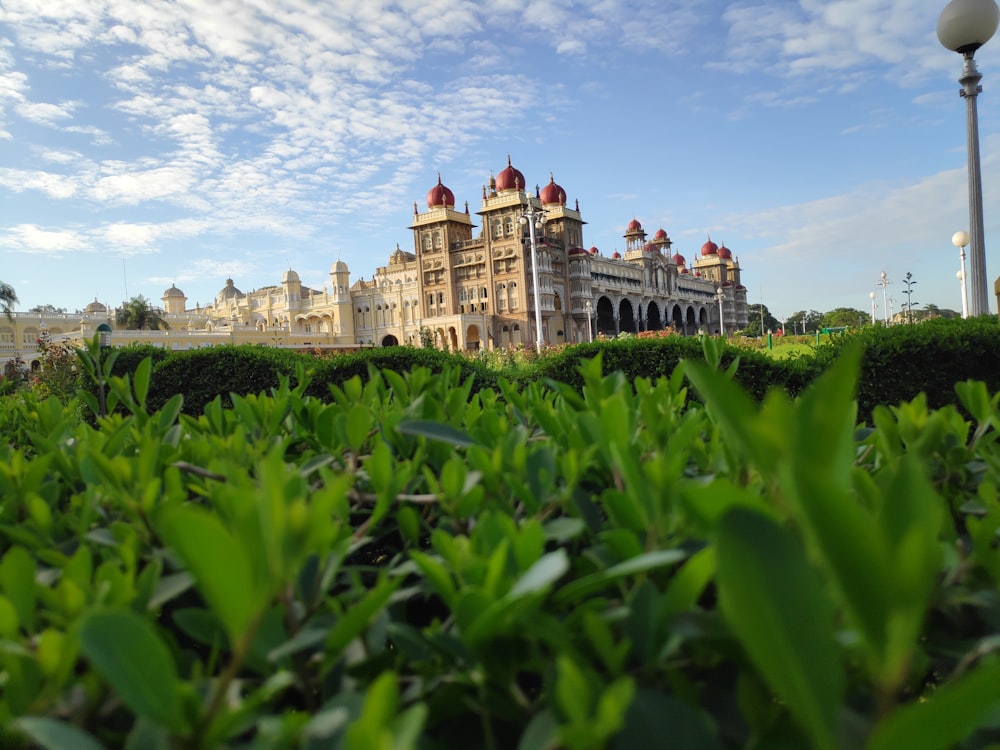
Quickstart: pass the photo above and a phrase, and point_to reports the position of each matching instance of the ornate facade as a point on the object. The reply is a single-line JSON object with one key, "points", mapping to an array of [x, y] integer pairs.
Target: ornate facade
{"points": [[460, 288]]}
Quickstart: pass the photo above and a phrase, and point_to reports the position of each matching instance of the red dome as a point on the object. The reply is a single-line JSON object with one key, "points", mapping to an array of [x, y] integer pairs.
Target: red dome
{"points": [[553, 194], [709, 248], [696, 273], [439, 195], [510, 178], [634, 226], [616, 255], [684, 270], [577, 251], [661, 234], [594, 250], [679, 259], [651, 248], [725, 253]]}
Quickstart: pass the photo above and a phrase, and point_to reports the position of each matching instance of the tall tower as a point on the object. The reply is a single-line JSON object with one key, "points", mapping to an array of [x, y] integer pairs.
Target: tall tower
{"points": [[441, 238]]}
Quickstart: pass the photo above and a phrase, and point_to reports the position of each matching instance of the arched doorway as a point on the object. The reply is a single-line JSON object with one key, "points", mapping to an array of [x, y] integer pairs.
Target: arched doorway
{"points": [[692, 321], [473, 341], [677, 317], [606, 325], [390, 340], [653, 321], [626, 317]]}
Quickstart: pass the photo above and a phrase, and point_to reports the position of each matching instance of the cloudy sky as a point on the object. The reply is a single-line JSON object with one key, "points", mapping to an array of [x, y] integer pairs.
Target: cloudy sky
{"points": [[150, 142]]}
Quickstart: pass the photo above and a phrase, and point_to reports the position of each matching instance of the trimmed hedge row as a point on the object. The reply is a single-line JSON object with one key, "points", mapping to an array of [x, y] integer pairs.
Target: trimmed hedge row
{"points": [[897, 364]]}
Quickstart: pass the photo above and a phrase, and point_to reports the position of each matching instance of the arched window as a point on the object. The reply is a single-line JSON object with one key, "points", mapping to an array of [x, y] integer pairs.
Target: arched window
{"points": [[512, 294], [437, 240], [427, 242], [509, 226], [497, 229]]}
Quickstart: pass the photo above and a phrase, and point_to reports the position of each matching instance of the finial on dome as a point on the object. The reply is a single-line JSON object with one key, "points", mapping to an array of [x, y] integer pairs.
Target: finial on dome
{"points": [[538, 192], [578, 205], [467, 208], [414, 208], [508, 160]]}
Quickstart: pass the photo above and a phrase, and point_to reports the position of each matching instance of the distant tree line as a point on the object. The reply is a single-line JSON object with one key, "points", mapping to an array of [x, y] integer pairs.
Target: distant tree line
{"points": [[761, 320]]}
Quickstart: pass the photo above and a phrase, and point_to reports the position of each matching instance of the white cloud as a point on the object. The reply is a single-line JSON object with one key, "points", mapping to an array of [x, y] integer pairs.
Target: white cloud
{"points": [[30, 238], [53, 185], [46, 113], [137, 187]]}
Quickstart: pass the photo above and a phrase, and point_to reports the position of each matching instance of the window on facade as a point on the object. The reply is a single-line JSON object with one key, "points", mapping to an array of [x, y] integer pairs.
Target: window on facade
{"points": [[437, 240], [440, 298], [427, 242], [509, 226], [512, 294], [497, 229], [6, 335]]}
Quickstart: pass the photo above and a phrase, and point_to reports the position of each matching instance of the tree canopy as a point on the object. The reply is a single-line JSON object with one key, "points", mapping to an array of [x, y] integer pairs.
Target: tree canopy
{"points": [[757, 313], [48, 310], [139, 314], [844, 316], [8, 298]]}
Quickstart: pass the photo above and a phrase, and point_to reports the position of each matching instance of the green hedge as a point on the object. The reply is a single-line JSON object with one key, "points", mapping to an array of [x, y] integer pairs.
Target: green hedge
{"points": [[902, 361], [201, 375], [411, 565], [897, 364]]}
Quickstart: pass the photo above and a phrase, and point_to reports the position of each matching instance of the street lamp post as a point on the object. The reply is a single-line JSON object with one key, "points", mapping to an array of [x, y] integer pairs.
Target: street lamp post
{"points": [[590, 327], [720, 295], [960, 240], [535, 219], [872, 295], [964, 26], [884, 282], [908, 280]]}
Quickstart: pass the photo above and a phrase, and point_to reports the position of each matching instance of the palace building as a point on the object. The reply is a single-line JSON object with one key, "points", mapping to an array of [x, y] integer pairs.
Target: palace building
{"points": [[469, 283]]}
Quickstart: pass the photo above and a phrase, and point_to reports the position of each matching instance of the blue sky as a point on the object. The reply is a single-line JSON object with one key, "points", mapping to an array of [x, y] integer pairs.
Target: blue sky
{"points": [[147, 143]]}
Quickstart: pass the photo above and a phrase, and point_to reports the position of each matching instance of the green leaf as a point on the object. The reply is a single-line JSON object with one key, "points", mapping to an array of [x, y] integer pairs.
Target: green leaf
{"points": [[435, 431], [17, 578], [127, 652], [945, 716], [546, 571], [774, 602], [219, 562], [360, 613], [653, 716], [587, 585], [51, 734]]}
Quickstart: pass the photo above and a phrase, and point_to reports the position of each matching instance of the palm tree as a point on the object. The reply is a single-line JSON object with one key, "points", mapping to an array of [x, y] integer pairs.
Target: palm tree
{"points": [[7, 299], [138, 314]]}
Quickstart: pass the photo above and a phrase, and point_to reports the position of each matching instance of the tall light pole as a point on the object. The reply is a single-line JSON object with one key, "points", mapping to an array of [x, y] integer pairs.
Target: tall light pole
{"points": [[872, 295], [960, 240], [908, 280], [590, 327], [535, 219], [964, 26], [884, 283], [720, 295]]}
